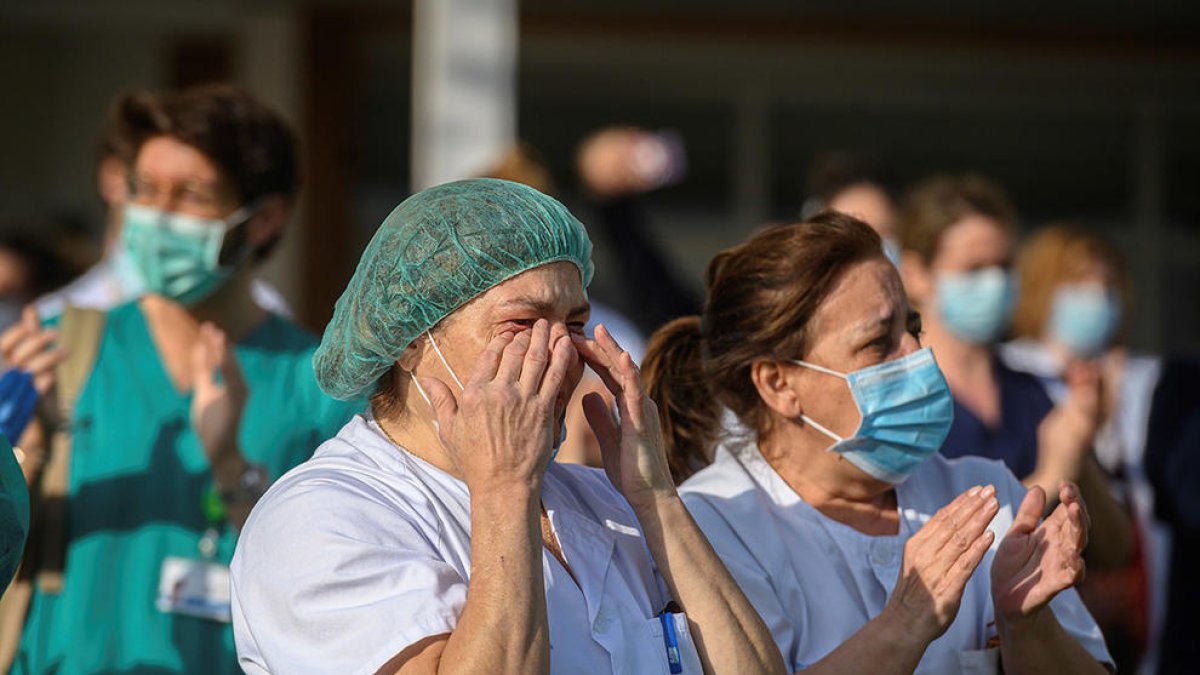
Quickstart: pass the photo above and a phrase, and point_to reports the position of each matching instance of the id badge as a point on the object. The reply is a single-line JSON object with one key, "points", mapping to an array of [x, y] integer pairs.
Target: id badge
{"points": [[197, 588]]}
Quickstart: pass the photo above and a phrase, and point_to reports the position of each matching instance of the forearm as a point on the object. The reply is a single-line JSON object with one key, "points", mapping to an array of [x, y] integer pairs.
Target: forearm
{"points": [[729, 635], [503, 626], [1112, 542], [1040, 646], [883, 646]]}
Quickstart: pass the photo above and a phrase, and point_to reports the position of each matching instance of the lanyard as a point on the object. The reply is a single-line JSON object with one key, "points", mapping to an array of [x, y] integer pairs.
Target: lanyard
{"points": [[213, 508]]}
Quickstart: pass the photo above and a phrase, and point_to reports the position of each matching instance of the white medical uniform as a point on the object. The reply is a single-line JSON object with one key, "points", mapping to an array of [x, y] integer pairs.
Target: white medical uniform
{"points": [[366, 549], [815, 581]]}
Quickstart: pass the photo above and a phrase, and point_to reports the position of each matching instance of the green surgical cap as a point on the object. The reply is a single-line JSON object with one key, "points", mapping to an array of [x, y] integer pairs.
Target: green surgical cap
{"points": [[435, 252]]}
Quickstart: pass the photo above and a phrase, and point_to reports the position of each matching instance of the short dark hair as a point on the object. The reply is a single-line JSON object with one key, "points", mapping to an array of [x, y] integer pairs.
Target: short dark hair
{"points": [[835, 171], [251, 145], [131, 119]]}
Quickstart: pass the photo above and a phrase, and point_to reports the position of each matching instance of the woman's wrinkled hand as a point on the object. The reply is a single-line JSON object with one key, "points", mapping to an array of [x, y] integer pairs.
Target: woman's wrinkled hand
{"points": [[498, 431], [632, 444], [1036, 562], [939, 560]]}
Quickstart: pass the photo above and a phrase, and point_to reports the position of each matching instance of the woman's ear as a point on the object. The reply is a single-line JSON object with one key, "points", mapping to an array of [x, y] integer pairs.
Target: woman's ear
{"points": [[917, 278], [411, 355], [270, 219], [776, 387]]}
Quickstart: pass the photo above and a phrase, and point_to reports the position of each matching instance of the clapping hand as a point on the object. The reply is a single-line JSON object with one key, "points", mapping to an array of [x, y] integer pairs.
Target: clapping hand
{"points": [[1035, 562], [939, 561], [217, 402]]}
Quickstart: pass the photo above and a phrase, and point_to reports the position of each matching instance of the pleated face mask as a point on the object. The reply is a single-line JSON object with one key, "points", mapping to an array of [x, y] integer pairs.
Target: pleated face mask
{"points": [[179, 256], [906, 411]]}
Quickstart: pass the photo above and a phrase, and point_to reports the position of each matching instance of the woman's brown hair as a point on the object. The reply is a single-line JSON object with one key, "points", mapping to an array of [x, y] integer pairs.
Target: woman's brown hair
{"points": [[940, 201], [1054, 255], [762, 296]]}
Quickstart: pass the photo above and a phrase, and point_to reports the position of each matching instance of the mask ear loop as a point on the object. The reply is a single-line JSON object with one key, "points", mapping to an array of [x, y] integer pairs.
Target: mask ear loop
{"points": [[810, 421], [421, 390], [445, 363]]}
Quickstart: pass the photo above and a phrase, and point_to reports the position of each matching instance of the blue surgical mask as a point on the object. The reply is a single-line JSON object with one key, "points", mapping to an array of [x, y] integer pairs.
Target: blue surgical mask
{"points": [[1083, 318], [906, 411], [177, 255], [891, 251], [562, 431], [976, 306]]}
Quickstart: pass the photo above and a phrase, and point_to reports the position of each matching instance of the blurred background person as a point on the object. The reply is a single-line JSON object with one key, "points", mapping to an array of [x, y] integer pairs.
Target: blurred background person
{"points": [[956, 233], [1073, 306], [856, 184], [616, 167], [196, 399], [29, 267], [115, 279], [1173, 468]]}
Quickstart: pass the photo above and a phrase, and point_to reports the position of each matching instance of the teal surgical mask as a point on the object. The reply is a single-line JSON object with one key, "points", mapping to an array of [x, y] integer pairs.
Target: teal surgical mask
{"points": [[179, 256], [906, 411], [1083, 318], [976, 306]]}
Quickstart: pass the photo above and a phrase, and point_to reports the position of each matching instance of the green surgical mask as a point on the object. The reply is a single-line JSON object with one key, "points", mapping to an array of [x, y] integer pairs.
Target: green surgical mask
{"points": [[177, 255]]}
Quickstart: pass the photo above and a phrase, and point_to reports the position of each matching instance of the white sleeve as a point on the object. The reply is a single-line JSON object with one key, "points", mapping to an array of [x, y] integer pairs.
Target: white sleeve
{"points": [[749, 574], [1068, 607], [328, 580]]}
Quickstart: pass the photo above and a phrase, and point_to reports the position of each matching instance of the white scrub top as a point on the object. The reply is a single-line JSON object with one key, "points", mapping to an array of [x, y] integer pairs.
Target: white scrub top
{"points": [[815, 581], [366, 549]]}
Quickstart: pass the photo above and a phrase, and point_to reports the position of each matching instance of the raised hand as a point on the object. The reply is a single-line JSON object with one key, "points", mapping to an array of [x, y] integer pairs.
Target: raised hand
{"points": [[1066, 436], [1036, 562], [217, 403], [632, 448], [499, 429], [29, 347], [939, 560]]}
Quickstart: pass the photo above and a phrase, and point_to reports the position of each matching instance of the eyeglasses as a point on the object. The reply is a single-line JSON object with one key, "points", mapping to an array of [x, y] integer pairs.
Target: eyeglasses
{"points": [[191, 193]]}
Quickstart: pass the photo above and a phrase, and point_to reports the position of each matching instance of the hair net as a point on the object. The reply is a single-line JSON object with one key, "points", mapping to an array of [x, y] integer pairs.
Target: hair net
{"points": [[435, 252]]}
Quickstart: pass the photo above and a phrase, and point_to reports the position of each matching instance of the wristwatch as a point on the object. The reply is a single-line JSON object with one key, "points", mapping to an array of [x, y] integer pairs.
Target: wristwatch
{"points": [[250, 487]]}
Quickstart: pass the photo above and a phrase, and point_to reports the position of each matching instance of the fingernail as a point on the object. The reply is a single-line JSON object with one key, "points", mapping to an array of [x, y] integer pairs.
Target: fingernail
{"points": [[989, 491], [973, 491]]}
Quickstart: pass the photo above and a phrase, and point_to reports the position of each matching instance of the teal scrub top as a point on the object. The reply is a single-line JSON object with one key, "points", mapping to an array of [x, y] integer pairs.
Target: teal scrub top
{"points": [[138, 477], [14, 512]]}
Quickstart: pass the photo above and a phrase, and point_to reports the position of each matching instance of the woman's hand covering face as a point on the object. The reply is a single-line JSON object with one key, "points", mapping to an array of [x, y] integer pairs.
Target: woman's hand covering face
{"points": [[631, 445], [499, 429]]}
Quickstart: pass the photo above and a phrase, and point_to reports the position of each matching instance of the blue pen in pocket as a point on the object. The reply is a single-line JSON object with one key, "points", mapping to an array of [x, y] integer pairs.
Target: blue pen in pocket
{"points": [[670, 638]]}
